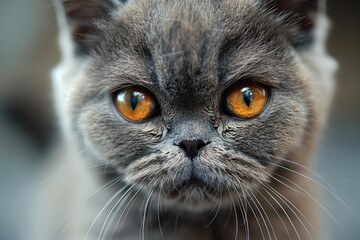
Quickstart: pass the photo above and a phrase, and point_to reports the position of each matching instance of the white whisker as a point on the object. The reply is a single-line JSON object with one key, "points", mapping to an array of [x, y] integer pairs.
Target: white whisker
{"points": [[286, 214], [105, 187], [116, 194], [284, 198], [313, 198], [323, 187], [158, 215], [276, 212], [258, 205], [287, 202], [253, 211], [53, 179], [118, 208], [111, 210], [236, 217], [126, 210], [216, 213], [143, 221], [306, 168]]}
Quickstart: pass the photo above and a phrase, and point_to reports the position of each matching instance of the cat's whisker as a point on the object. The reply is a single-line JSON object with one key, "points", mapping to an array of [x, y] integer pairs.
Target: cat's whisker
{"points": [[244, 213], [286, 214], [216, 213], [323, 187], [158, 215], [302, 192], [60, 176], [236, 217], [254, 213], [276, 212], [120, 217], [261, 209], [230, 213], [115, 214], [243, 206], [115, 195], [53, 4], [126, 211], [287, 202], [215, 208], [247, 225], [210, 212], [328, 189], [111, 211], [282, 183], [105, 187], [143, 221], [306, 168], [331, 190], [176, 224], [315, 200]]}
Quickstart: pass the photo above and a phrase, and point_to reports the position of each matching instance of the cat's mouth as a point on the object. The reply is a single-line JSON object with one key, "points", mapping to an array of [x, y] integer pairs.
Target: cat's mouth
{"points": [[193, 188], [193, 181]]}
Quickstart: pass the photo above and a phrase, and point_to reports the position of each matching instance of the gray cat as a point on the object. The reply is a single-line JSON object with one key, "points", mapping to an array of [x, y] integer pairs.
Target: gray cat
{"points": [[188, 119]]}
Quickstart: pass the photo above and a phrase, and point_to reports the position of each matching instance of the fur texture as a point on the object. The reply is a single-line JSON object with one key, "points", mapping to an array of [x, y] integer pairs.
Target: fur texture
{"points": [[250, 175]]}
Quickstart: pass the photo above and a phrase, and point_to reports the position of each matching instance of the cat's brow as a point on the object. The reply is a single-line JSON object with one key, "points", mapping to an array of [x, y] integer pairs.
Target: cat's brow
{"points": [[149, 59], [245, 57]]}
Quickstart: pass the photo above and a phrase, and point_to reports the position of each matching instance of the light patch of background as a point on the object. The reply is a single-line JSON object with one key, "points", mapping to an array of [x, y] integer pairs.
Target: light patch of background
{"points": [[28, 51]]}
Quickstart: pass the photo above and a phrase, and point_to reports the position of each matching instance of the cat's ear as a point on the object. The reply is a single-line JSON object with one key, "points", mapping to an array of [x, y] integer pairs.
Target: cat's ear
{"points": [[79, 18], [302, 14]]}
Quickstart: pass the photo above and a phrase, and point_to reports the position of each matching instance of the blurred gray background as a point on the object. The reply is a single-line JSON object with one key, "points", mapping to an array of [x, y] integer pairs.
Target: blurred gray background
{"points": [[28, 51]]}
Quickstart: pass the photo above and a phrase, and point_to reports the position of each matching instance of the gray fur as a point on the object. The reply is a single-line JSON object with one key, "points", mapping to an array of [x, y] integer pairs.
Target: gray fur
{"points": [[188, 53]]}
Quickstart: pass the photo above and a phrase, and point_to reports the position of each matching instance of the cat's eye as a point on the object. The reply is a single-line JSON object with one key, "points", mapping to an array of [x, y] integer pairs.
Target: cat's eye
{"points": [[136, 104], [246, 100]]}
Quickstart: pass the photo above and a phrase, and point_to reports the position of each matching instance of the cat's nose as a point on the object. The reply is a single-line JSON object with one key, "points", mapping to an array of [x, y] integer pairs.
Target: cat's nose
{"points": [[192, 147]]}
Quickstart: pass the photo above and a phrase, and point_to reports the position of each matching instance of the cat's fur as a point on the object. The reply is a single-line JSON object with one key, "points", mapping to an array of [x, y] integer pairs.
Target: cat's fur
{"points": [[187, 53]]}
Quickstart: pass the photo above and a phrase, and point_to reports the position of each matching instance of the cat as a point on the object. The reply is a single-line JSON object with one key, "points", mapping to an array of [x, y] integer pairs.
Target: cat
{"points": [[188, 119]]}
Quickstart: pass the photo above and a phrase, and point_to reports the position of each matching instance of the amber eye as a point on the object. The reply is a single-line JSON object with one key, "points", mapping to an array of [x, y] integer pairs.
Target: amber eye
{"points": [[136, 103], [246, 100]]}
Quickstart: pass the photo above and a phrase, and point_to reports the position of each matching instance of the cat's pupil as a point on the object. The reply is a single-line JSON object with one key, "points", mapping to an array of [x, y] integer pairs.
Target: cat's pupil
{"points": [[247, 95], [134, 100]]}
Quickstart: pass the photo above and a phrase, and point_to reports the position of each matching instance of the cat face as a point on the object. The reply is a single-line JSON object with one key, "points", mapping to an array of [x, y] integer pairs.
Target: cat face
{"points": [[187, 58]]}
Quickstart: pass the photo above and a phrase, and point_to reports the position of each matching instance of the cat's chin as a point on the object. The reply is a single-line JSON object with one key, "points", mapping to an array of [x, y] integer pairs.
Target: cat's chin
{"points": [[193, 198], [194, 195]]}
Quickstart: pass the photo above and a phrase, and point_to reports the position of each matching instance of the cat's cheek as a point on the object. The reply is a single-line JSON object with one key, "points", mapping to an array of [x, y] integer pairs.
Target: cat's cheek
{"points": [[110, 139], [278, 133], [220, 159]]}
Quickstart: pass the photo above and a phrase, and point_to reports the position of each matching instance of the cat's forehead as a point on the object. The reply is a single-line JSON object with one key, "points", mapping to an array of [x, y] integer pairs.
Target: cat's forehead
{"points": [[182, 40], [190, 48]]}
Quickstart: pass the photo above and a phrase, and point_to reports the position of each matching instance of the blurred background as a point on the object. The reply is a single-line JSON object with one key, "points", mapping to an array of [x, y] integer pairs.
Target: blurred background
{"points": [[28, 51]]}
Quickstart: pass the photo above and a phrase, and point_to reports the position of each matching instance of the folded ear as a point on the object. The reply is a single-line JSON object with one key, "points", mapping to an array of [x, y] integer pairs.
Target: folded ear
{"points": [[303, 14], [79, 18]]}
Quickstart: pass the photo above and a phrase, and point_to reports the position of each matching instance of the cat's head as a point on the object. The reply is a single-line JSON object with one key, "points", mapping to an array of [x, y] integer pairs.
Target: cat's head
{"points": [[196, 100]]}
